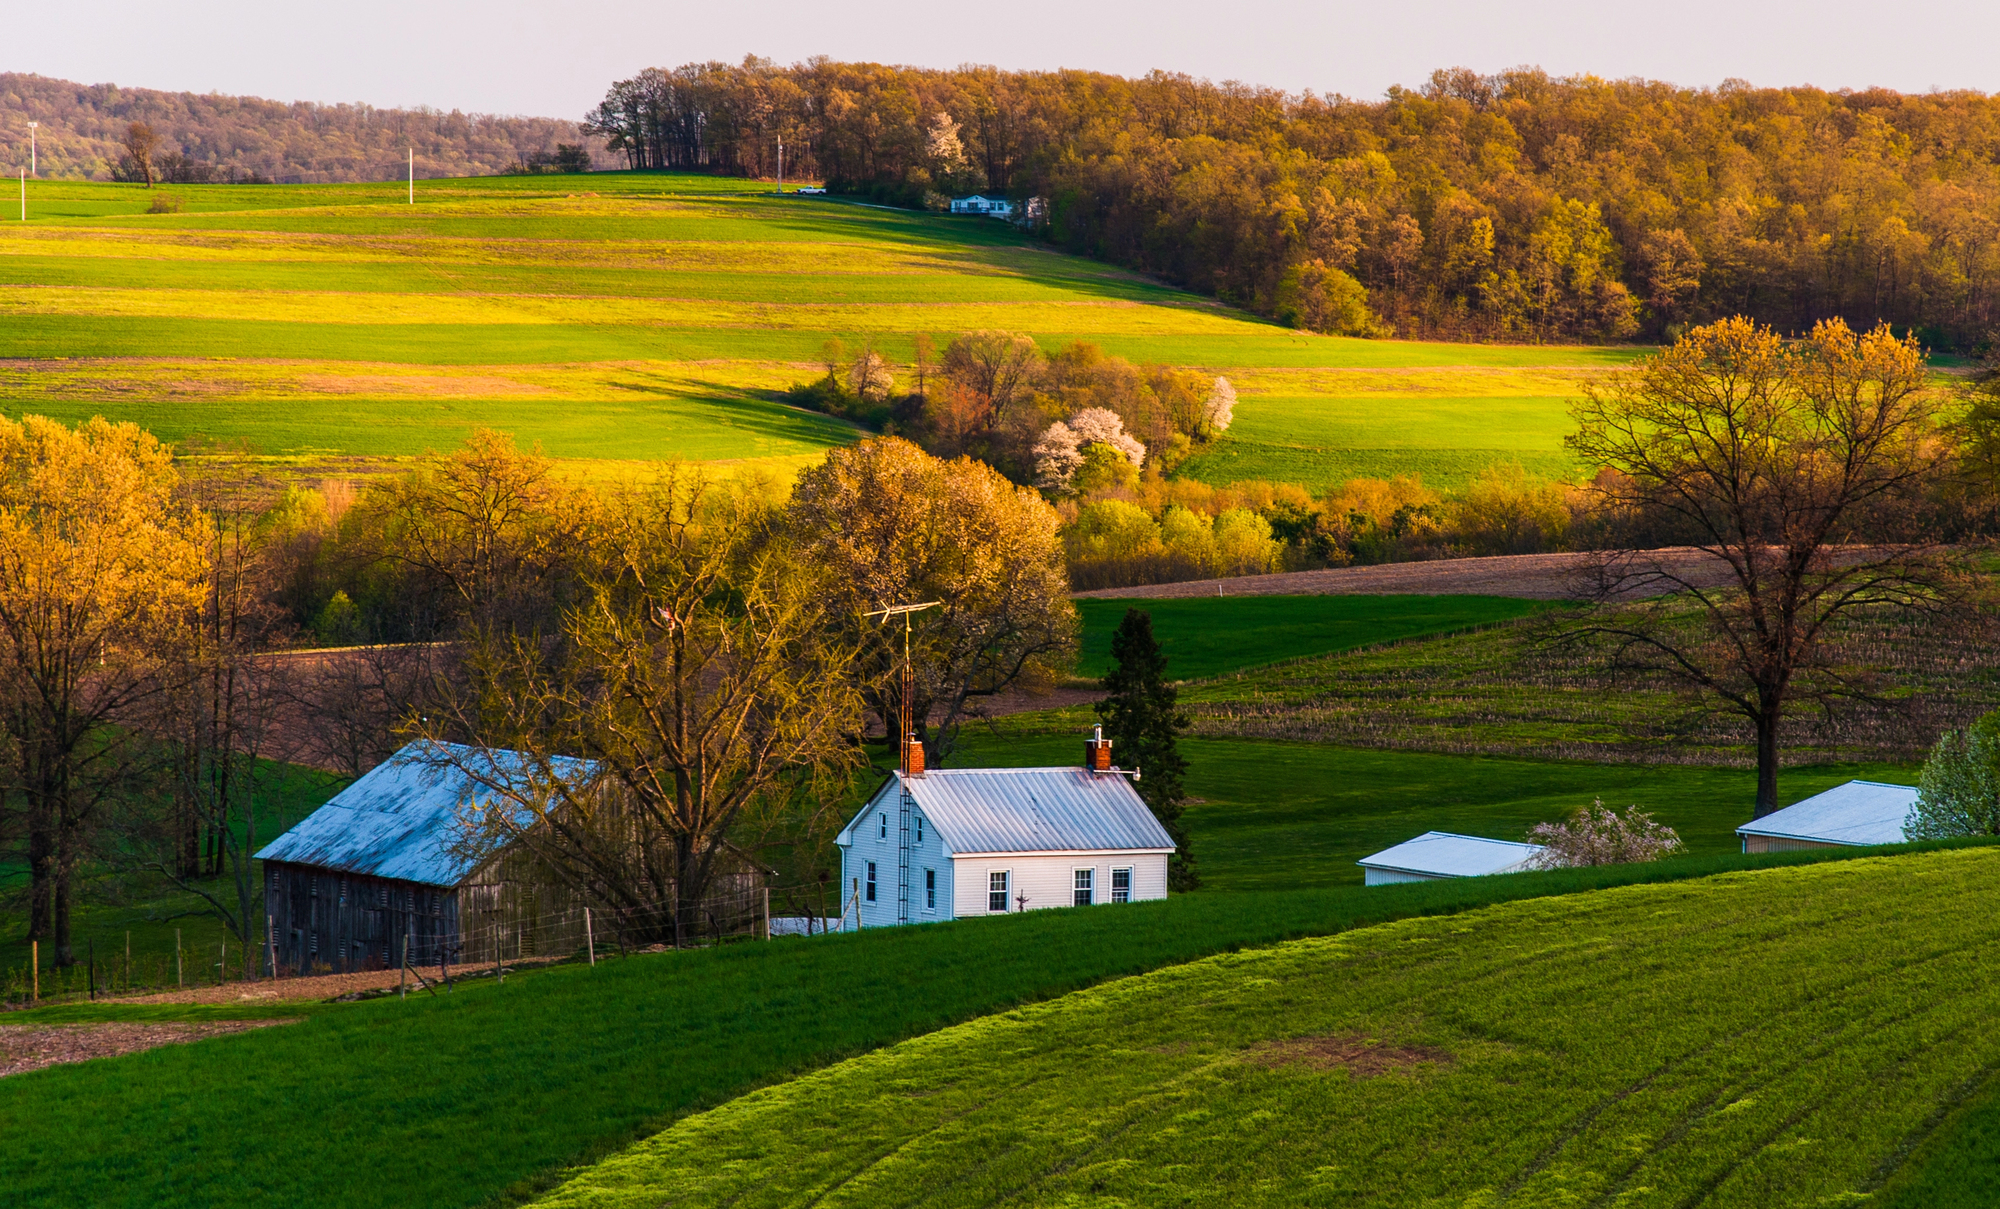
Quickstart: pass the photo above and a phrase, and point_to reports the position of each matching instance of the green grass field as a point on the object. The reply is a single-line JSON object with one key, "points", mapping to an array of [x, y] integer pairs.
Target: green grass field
{"points": [[1204, 638], [1630, 1047], [455, 1101], [629, 317]]}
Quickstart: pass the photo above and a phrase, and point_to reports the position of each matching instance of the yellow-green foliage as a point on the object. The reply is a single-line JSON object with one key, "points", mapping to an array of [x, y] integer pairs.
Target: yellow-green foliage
{"points": [[1765, 1039]]}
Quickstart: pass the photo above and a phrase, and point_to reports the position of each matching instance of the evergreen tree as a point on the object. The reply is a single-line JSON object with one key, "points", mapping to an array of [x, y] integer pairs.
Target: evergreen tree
{"points": [[1142, 721]]}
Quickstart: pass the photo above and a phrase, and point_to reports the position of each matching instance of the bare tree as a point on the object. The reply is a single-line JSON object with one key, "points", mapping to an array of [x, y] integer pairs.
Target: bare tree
{"points": [[1799, 471], [703, 680], [140, 143]]}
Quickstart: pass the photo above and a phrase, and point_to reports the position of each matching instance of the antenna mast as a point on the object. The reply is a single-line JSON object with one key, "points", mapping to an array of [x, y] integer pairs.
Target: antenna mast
{"points": [[907, 741]]}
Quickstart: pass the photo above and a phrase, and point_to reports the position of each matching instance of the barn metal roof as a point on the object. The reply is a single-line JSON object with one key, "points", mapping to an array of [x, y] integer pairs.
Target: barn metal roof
{"points": [[1859, 812], [400, 820], [993, 810], [1442, 854]]}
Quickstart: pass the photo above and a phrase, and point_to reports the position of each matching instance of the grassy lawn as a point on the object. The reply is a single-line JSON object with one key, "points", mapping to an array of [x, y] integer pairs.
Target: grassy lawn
{"points": [[1273, 816], [1630, 1047], [453, 1101], [625, 317], [1204, 638]]}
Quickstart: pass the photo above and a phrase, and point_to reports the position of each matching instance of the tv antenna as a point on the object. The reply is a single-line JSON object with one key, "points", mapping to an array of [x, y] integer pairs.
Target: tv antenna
{"points": [[903, 718]]}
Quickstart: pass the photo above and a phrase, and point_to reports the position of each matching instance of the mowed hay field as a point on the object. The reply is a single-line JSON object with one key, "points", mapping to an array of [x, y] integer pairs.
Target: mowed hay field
{"points": [[1786, 1037], [631, 317]]}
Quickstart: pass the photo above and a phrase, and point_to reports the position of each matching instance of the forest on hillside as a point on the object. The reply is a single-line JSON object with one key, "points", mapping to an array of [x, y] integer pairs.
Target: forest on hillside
{"points": [[1514, 206], [83, 128]]}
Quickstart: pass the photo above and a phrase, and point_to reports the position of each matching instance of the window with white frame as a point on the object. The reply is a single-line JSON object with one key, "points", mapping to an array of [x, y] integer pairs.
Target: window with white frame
{"points": [[1121, 885], [920, 829], [996, 891], [930, 889], [1086, 886], [883, 818], [871, 881]]}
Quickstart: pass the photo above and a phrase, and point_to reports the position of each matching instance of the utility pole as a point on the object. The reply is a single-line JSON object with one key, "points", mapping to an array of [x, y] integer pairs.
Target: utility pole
{"points": [[781, 167], [32, 170]]}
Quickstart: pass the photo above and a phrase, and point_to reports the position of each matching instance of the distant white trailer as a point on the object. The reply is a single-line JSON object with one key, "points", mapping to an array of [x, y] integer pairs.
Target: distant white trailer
{"points": [[993, 207], [1436, 855], [1858, 813]]}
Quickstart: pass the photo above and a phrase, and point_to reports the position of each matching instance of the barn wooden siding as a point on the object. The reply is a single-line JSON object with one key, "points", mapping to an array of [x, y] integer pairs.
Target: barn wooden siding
{"points": [[325, 922]]}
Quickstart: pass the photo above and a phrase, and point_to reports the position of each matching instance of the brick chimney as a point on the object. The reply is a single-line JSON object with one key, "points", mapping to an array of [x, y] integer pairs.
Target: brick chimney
{"points": [[913, 756], [1097, 751]]}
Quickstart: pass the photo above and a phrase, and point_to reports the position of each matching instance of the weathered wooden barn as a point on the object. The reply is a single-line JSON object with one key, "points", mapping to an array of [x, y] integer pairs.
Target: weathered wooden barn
{"points": [[384, 864]]}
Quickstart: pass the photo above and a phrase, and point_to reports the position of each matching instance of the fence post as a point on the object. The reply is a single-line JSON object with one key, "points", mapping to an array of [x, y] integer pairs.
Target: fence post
{"points": [[403, 991], [35, 959], [767, 913], [589, 938], [271, 943], [499, 972]]}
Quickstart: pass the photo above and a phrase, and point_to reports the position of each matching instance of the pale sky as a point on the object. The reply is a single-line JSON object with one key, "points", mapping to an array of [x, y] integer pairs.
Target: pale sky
{"points": [[556, 59]]}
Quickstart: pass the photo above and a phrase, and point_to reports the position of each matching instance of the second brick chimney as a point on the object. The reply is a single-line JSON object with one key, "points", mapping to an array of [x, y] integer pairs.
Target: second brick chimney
{"points": [[1097, 751]]}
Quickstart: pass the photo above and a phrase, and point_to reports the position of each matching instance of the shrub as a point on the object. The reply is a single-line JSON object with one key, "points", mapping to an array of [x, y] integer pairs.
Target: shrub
{"points": [[1598, 835], [1507, 511]]}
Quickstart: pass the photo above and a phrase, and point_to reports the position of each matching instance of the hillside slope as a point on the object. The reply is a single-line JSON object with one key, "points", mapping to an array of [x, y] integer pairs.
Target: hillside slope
{"points": [[1776, 1038], [625, 317]]}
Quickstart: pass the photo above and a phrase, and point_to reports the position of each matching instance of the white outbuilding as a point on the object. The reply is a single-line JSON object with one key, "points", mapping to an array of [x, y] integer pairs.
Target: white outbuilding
{"points": [[1855, 814], [1436, 855], [961, 842]]}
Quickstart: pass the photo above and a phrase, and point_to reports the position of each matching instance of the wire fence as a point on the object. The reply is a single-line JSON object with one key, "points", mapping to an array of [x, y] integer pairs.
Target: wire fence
{"points": [[480, 946]]}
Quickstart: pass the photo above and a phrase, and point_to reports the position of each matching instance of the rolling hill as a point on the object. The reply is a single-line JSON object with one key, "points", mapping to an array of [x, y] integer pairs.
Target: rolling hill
{"points": [[625, 317]]}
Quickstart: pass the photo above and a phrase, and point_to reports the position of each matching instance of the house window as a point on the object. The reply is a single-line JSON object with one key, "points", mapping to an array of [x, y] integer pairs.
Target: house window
{"points": [[996, 891], [920, 829], [884, 818], [930, 889], [1121, 885], [1086, 883], [871, 881]]}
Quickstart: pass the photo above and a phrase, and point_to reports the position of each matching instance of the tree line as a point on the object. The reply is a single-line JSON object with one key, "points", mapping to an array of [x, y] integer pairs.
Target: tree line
{"points": [[174, 634], [1509, 206], [208, 137]]}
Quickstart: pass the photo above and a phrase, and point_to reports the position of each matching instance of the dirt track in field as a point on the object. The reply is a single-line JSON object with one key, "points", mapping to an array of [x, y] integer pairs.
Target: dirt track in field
{"points": [[25, 1047], [1529, 576], [321, 987]]}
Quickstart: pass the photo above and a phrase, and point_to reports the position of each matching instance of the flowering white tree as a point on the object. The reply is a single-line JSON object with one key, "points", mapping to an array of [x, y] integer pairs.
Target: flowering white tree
{"points": [[1059, 453], [1959, 788], [942, 144], [869, 378], [1218, 411], [1599, 835]]}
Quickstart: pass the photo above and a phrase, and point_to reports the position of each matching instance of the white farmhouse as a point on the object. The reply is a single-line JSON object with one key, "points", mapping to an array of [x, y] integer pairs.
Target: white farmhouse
{"points": [[1435, 855], [995, 207], [1857, 813], [962, 842]]}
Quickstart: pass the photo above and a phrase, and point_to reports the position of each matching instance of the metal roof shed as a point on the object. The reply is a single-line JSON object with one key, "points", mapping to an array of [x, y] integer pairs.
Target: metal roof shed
{"points": [[382, 861], [1436, 855], [1855, 814]]}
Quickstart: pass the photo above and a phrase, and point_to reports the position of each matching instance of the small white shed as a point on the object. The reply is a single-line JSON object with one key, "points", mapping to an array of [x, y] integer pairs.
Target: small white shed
{"points": [[996, 207], [1435, 855], [953, 843], [1855, 814]]}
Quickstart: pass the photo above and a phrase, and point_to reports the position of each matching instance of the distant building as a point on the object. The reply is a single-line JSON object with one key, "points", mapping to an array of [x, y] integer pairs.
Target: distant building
{"points": [[811, 191], [961, 842], [1436, 855], [1855, 814], [995, 207]]}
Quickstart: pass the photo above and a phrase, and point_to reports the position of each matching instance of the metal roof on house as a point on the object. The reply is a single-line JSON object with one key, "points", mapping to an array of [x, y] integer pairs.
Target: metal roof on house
{"points": [[1442, 854], [1859, 812], [401, 819], [993, 810]]}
